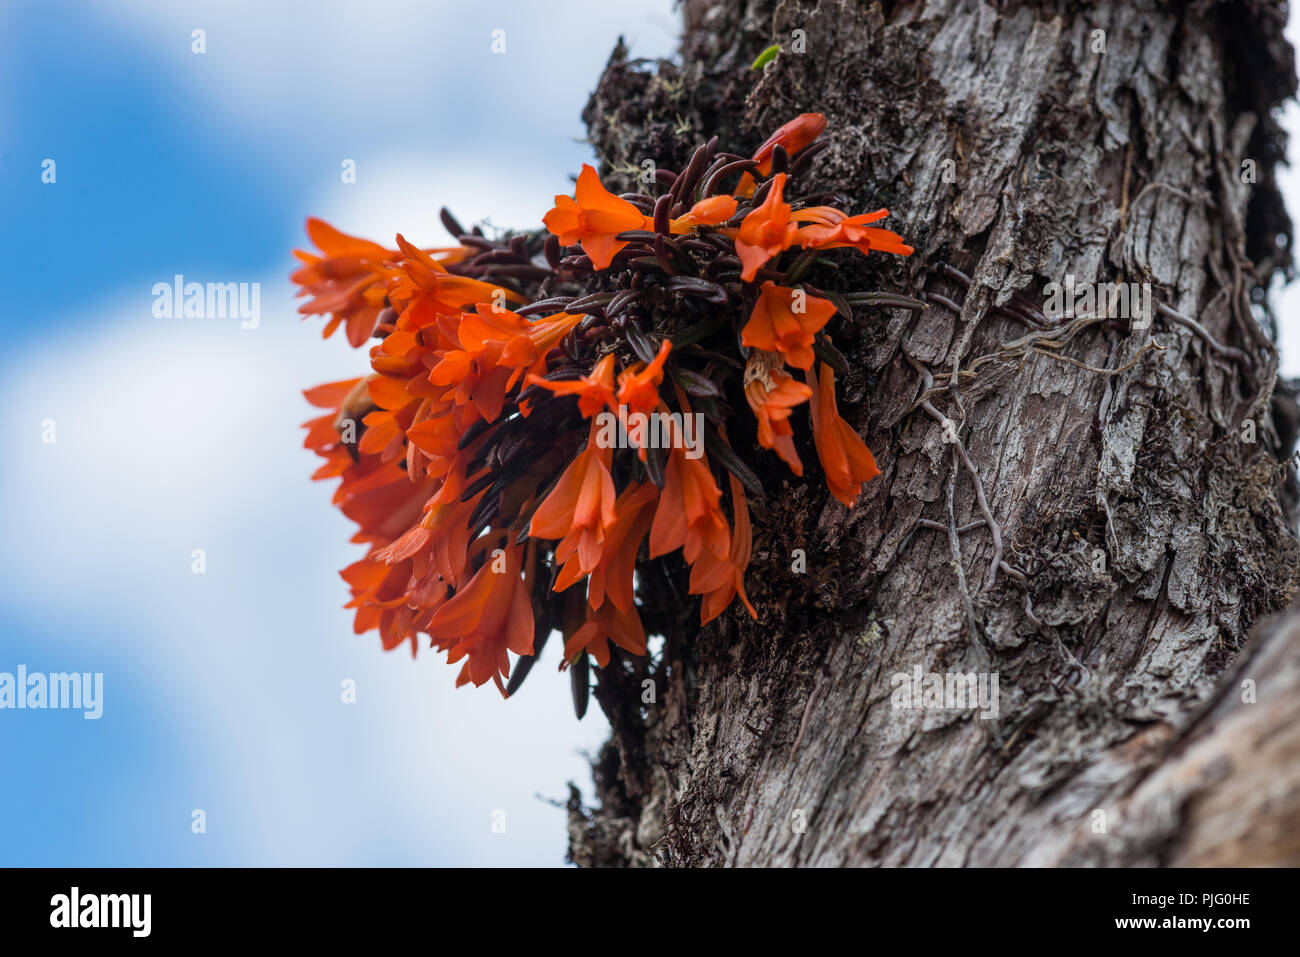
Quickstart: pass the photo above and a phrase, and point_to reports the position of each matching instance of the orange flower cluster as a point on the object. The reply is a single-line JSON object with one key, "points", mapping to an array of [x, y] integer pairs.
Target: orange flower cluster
{"points": [[525, 438]]}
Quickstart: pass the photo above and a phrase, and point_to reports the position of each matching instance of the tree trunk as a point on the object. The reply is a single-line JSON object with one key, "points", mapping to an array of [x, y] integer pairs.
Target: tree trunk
{"points": [[1099, 514]]}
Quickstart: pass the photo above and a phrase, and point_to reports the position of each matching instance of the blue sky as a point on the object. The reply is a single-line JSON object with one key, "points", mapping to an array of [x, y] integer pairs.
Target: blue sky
{"points": [[222, 691]]}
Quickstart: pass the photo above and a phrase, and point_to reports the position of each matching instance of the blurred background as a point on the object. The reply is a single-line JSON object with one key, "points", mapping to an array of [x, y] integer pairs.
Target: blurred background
{"points": [[222, 690]]}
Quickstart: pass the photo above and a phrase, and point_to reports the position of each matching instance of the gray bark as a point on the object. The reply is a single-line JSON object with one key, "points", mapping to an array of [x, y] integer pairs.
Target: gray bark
{"points": [[1142, 537]]}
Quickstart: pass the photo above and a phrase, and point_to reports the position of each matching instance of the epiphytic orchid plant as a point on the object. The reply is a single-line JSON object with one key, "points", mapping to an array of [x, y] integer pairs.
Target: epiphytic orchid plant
{"points": [[539, 419]]}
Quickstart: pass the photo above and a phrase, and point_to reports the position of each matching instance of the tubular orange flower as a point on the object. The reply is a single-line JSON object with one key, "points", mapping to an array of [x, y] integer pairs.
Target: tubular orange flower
{"points": [[832, 229], [580, 509], [612, 576], [439, 542], [638, 385], [719, 580], [394, 412], [379, 595], [423, 289], [844, 456], [766, 231], [594, 216], [786, 320], [437, 439], [772, 394], [379, 496], [347, 283], [707, 212], [594, 391], [323, 436], [491, 615], [688, 516], [385, 434], [514, 342], [603, 625], [381, 499], [496, 348], [792, 136]]}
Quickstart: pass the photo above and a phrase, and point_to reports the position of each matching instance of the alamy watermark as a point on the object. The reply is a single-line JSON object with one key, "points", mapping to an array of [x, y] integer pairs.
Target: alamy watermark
{"points": [[657, 430], [76, 691], [1099, 300], [949, 691], [75, 909], [179, 299]]}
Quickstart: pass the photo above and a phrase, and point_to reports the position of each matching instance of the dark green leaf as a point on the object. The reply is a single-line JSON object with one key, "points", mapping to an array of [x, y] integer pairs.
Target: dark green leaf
{"points": [[725, 456], [640, 342], [693, 286], [841, 305], [580, 682], [695, 384], [696, 333], [655, 461], [883, 299], [825, 351]]}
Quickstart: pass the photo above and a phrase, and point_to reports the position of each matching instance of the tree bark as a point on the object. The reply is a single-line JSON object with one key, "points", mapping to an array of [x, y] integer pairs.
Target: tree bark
{"points": [[1115, 515]]}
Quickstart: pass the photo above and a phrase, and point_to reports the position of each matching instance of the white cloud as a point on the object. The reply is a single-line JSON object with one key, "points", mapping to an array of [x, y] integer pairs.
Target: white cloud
{"points": [[404, 70], [404, 192]]}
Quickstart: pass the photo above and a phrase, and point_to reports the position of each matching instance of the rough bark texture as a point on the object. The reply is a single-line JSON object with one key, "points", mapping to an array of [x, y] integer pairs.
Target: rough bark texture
{"points": [[1142, 537]]}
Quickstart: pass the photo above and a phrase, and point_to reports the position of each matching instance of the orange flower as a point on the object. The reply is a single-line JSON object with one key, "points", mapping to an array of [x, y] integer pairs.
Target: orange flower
{"points": [[323, 436], [381, 499], [439, 542], [688, 516], [720, 580], [786, 320], [603, 625], [594, 391], [386, 425], [378, 495], [844, 456], [397, 588], [594, 216], [772, 393], [766, 230], [793, 136], [707, 212], [423, 290], [831, 229], [379, 595], [491, 615], [437, 438], [348, 282], [496, 347], [580, 509], [638, 385], [612, 576]]}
